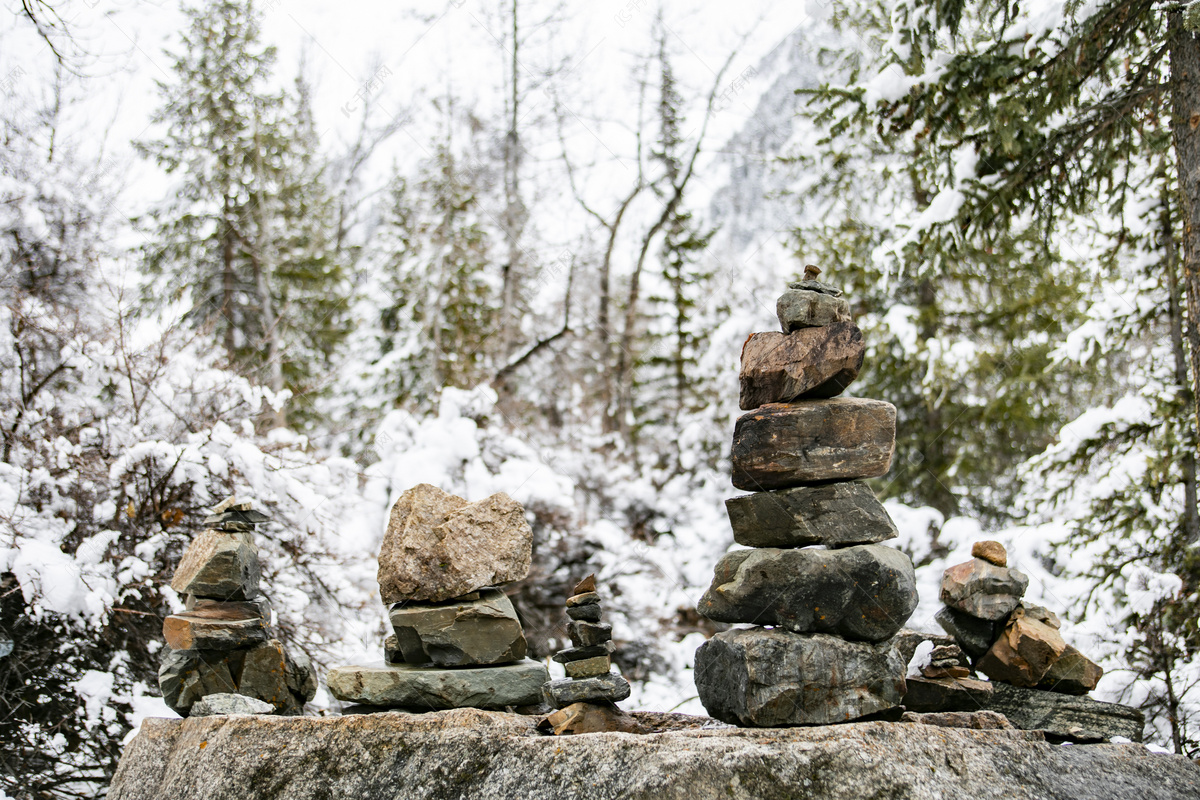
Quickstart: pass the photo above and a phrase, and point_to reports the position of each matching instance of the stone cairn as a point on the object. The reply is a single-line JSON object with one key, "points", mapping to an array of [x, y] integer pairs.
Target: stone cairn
{"points": [[588, 662], [829, 655], [457, 641], [221, 657]]}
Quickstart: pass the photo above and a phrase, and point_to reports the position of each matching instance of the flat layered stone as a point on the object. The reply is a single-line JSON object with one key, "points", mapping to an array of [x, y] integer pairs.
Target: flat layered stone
{"points": [[1024, 652], [972, 720], [439, 547], [1071, 673], [224, 627], [1065, 716], [588, 634], [832, 514], [800, 308], [186, 676], [973, 635], [431, 688], [810, 363], [929, 695], [768, 677], [602, 688], [583, 599], [866, 592], [982, 589], [482, 631], [780, 446], [580, 653], [588, 667], [229, 703], [222, 566], [258, 606], [589, 613]]}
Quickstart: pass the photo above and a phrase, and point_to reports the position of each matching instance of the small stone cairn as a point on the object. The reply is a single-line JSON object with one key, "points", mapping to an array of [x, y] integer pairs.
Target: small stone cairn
{"points": [[828, 655], [221, 657], [588, 663], [457, 641]]}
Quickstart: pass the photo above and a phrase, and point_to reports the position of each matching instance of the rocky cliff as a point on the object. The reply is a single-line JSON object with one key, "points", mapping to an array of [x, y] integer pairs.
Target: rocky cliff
{"points": [[477, 754]]}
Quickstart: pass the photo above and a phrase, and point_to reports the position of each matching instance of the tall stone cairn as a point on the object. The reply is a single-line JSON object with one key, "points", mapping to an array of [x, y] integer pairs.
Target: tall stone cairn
{"points": [[588, 663], [222, 643], [457, 641], [822, 648]]}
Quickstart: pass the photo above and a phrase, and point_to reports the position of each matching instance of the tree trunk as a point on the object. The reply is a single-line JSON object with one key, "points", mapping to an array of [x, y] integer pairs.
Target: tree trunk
{"points": [[227, 281], [513, 211], [262, 281], [1185, 128]]}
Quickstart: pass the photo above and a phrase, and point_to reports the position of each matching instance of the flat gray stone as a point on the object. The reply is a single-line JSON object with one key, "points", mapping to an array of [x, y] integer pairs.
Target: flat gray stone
{"points": [[800, 308], [186, 676], [439, 547], [229, 703], [563, 692], [832, 514], [946, 694], [814, 362], [223, 627], [480, 631], [794, 444], [767, 678], [1065, 716], [587, 634], [493, 756], [866, 592], [431, 688], [221, 566]]}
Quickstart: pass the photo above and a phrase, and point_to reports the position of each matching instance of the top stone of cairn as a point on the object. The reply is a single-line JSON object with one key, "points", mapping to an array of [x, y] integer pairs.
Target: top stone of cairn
{"points": [[811, 304], [439, 546]]}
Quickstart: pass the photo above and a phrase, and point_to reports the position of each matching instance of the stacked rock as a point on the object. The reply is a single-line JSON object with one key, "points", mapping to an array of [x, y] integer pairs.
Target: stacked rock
{"points": [[1007, 639], [457, 640], [834, 609], [588, 663], [222, 643]]}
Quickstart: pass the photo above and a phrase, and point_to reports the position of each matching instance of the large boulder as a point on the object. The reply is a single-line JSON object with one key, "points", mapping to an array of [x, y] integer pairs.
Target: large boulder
{"points": [[813, 362], [432, 688], [438, 546], [866, 592], [782, 445], [482, 630], [832, 514], [1064, 716], [494, 756], [767, 678], [218, 565]]}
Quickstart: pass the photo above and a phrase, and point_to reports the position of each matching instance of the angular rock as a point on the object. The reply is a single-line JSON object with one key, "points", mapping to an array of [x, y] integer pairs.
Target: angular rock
{"points": [[438, 547], [866, 592], [185, 676], [1072, 673], [947, 655], [832, 514], [588, 667], [257, 607], [767, 678], [264, 675], [1024, 652], [431, 688], [927, 695], [565, 691], [972, 720], [992, 552], [301, 675], [1065, 716], [800, 308], [222, 566], [588, 613], [392, 653], [945, 672], [586, 585], [907, 641], [580, 653], [588, 634], [483, 631], [982, 589], [495, 756], [229, 703], [585, 599], [214, 628], [973, 635], [810, 363], [780, 446], [590, 718]]}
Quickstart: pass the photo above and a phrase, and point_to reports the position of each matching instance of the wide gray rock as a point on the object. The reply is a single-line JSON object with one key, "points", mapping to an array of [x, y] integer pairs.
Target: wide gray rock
{"points": [[1065, 716], [814, 362], [438, 546], [767, 678], [799, 308], [601, 688], [865, 592], [494, 756], [222, 566], [946, 694], [484, 630], [432, 688], [230, 703], [832, 514], [258, 606], [982, 589], [219, 627], [973, 635], [793, 444]]}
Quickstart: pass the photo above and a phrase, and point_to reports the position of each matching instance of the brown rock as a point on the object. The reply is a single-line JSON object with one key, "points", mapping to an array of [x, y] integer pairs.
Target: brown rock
{"points": [[972, 720], [1024, 652], [1072, 673], [218, 565], [982, 589], [945, 672], [992, 552], [590, 718], [779, 446], [214, 628], [946, 694], [585, 599], [264, 675], [812, 362], [588, 667], [439, 547], [586, 585]]}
